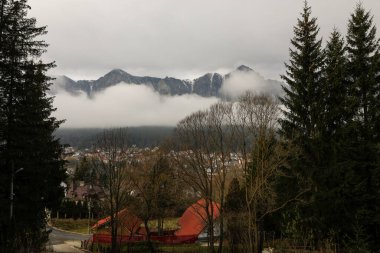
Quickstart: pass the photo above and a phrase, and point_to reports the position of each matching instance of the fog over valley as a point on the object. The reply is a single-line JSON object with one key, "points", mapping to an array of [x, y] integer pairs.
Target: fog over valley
{"points": [[126, 105], [120, 99]]}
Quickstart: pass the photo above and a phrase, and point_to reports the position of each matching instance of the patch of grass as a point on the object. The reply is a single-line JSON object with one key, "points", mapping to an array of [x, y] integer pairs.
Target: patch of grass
{"points": [[78, 226], [169, 223]]}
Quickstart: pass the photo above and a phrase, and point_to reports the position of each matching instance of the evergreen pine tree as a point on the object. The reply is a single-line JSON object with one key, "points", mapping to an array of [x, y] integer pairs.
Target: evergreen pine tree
{"points": [[303, 78], [27, 132], [235, 197], [362, 153], [234, 212], [363, 72], [335, 87], [329, 203], [303, 118]]}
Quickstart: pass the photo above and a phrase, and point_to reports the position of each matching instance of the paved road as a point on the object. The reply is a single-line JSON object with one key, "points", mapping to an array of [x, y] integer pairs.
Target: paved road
{"points": [[64, 242], [59, 237]]}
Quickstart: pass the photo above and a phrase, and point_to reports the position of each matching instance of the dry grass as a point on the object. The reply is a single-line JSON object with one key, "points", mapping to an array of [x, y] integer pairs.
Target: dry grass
{"points": [[169, 223], [77, 226]]}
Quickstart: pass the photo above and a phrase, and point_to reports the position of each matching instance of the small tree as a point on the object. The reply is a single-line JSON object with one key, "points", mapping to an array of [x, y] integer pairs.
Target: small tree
{"points": [[234, 211], [154, 189], [84, 171]]}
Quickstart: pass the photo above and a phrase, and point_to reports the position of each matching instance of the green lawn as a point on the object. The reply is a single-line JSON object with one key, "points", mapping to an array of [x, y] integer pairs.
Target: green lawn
{"points": [[78, 226]]}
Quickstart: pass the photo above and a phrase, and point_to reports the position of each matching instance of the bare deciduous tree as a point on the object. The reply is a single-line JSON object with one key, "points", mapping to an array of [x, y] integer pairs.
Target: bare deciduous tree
{"points": [[153, 182], [111, 163], [247, 128], [204, 142]]}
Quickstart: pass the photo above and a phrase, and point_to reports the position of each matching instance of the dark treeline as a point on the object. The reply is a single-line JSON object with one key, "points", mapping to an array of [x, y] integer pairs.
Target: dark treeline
{"points": [[144, 136], [77, 210]]}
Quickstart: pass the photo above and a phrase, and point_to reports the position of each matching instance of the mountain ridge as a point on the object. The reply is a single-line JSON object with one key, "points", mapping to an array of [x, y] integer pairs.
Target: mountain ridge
{"points": [[208, 85]]}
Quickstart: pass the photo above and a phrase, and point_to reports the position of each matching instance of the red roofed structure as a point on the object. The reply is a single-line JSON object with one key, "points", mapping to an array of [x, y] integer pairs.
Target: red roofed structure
{"points": [[193, 223], [194, 219], [131, 223]]}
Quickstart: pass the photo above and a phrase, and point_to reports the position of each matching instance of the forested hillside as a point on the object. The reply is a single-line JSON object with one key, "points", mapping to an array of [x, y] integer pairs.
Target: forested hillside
{"points": [[144, 136]]}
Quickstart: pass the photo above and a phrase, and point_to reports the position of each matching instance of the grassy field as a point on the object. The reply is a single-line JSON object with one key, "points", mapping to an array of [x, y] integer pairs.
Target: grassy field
{"points": [[78, 226], [81, 225]]}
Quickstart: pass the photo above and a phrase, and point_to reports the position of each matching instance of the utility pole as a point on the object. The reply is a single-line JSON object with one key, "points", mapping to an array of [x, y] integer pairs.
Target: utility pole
{"points": [[90, 195], [11, 192]]}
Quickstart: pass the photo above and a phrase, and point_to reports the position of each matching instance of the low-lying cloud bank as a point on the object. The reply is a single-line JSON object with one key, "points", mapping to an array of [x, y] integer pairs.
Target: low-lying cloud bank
{"points": [[126, 105], [140, 105]]}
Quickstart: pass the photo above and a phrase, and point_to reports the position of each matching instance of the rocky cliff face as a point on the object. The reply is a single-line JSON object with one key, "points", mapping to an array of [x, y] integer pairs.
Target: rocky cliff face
{"points": [[208, 85]]}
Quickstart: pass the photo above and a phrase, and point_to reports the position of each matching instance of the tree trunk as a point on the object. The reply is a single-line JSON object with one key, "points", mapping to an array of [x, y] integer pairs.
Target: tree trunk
{"points": [[160, 225], [250, 228], [150, 245], [211, 237], [114, 244], [221, 236], [258, 243]]}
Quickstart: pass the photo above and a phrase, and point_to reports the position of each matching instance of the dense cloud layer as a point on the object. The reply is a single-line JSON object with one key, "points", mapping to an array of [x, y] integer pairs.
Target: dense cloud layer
{"points": [[179, 38], [126, 105]]}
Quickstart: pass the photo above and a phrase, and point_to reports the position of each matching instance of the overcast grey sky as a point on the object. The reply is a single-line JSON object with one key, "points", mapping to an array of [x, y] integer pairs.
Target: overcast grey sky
{"points": [[180, 38]]}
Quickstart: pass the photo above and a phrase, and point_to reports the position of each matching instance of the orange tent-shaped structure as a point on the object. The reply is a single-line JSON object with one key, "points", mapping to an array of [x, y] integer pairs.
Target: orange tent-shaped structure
{"points": [[130, 221], [193, 220]]}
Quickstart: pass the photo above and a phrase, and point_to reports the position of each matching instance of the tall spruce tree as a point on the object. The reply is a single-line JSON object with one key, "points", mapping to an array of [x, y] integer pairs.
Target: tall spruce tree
{"points": [[303, 78], [335, 113], [362, 154], [330, 204], [27, 128], [302, 116], [363, 72]]}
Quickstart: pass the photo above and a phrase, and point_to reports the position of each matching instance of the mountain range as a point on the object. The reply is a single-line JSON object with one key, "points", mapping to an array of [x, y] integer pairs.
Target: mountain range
{"points": [[208, 85]]}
